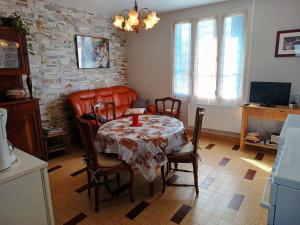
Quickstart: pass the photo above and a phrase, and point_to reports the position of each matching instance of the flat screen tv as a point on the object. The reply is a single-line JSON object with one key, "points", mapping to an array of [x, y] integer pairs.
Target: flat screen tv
{"points": [[270, 93]]}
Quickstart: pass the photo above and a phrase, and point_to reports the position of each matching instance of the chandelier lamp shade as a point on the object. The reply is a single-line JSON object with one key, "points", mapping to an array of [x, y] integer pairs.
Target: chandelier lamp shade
{"points": [[135, 20]]}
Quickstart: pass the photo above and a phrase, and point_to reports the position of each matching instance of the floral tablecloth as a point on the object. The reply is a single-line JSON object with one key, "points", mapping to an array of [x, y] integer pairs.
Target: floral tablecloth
{"points": [[145, 146]]}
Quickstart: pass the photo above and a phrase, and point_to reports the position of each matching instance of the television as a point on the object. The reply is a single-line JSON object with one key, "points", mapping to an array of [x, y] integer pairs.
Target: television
{"points": [[270, 93]]}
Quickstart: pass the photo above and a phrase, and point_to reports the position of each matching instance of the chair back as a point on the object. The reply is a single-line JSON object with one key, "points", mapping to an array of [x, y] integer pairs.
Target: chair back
{"points": [[197, 128], [175, 106], [108, 107], [87, 138]]}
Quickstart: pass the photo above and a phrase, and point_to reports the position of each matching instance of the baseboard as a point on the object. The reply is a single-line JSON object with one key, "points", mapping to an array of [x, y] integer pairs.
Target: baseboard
{"points": [[217, 134]]}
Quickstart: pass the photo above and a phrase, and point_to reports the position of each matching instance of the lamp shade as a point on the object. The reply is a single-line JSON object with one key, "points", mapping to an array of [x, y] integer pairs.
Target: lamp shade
{"points": [[148, 23], [118, 21], [152, 16], [127, 26]]}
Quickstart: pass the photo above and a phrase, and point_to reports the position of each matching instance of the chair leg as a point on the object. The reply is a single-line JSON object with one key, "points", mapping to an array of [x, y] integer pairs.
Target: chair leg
{"points": [[106, 185], [96, 197], [118, 179], [195, 169], [168, 169], [131, 173], [176, 165], [89, 182], [163, 179], [151, 187]]}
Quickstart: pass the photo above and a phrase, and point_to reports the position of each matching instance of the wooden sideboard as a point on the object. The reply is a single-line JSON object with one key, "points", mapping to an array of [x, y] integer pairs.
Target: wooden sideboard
{"points": [[278, 113], [24, 127]]}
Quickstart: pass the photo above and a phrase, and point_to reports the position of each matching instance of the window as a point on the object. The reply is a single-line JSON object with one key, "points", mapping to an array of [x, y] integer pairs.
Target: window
{"points": [[205, 61], [219, 58], [182, 59]]}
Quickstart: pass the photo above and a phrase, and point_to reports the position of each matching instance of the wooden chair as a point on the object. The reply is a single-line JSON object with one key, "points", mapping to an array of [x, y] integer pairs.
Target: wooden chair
{"points": [[174, 111], [189, 152], [99, 164], [108, 106]]}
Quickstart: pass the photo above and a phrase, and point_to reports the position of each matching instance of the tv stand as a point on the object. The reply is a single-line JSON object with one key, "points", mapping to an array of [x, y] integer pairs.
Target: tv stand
{"points": [[276, 113]]}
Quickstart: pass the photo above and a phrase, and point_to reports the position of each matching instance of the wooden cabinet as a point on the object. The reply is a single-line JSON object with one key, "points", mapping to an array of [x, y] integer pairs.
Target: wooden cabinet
{"points": [[278, 113], [24, 128]]}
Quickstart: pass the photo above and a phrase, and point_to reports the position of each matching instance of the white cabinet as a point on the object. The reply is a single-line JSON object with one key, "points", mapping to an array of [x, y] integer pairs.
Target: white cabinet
{"points": [[25, 193]]}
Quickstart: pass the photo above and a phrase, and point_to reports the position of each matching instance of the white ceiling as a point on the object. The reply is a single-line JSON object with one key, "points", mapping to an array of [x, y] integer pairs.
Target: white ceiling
{"points": [[112, 7]]}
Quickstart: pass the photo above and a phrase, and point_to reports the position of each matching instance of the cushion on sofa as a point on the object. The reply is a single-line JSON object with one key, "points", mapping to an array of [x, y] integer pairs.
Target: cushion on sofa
{"points": [[141, 103]]}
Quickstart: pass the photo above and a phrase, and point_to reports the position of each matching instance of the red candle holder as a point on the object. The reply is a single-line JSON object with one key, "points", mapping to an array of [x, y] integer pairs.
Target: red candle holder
{"points": [[135, 121]]}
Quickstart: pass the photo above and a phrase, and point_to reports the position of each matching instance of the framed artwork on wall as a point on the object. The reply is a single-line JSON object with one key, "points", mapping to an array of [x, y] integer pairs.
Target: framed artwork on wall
{"points": [[288, 43], [92, 52]]}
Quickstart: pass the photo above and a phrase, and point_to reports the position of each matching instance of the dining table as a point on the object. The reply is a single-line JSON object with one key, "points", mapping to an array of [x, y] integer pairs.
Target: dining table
{"points": [[144, 146]]}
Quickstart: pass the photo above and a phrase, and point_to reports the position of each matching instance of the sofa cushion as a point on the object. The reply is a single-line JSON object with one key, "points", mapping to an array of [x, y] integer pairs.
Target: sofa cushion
{"points": [[141, 103]]}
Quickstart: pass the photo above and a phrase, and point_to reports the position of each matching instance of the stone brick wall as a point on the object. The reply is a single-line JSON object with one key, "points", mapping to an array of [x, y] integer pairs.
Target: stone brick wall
{"points": [[54, 66]]}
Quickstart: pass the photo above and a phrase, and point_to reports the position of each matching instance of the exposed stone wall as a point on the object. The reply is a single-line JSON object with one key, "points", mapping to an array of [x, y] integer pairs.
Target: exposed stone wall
{"points": [[54, 66]]}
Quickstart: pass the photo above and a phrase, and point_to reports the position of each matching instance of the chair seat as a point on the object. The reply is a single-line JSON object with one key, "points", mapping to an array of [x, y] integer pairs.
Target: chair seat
{"points": [[168, 112], [108, 160], [184, 151]]}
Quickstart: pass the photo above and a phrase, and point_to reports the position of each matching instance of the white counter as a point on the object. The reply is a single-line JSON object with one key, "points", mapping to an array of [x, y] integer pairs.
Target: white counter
{"points": [[25, 164]]}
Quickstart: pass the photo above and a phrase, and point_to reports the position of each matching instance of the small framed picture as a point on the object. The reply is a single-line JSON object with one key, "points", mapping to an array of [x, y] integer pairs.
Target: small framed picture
{"points": [[92, 52], [288, 43]]}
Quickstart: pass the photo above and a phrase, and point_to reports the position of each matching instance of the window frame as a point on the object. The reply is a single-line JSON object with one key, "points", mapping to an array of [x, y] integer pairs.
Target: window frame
{"points": [[220, 17]]}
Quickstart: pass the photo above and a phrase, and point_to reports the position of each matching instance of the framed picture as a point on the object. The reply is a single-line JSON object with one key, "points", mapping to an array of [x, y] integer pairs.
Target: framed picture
{"points": [[288, 43], [92, 52]]}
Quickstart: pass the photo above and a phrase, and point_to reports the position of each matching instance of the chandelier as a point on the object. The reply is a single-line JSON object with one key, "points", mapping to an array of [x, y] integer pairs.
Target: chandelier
{"points": [[135, 20]]}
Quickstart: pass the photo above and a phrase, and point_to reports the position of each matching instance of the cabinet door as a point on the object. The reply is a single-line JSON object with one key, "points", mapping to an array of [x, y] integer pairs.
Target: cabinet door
{"points": [[23, 131], [23, 201], [287, 206]]}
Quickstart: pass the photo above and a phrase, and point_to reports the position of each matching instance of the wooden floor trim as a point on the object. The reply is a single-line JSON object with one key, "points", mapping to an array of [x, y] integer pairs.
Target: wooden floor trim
{"points": [[217, 134]]}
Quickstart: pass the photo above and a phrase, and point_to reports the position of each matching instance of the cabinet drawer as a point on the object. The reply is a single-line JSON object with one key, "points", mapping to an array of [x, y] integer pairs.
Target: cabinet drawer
{"points": [[279, 115], [254, 112], [22, 107]]}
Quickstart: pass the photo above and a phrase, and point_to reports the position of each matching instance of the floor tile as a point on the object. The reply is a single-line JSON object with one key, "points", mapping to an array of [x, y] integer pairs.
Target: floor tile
{"points": [[259, 156], [236, 202], [181, 213], [137, 210], [250, 174], [77, 219], [210, 146], [224, 162], [236, 147], [54, 168]]}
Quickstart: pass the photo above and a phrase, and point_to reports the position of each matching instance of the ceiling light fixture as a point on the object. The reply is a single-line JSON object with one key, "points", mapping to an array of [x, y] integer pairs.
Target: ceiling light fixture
{"points": [[134, 20]]}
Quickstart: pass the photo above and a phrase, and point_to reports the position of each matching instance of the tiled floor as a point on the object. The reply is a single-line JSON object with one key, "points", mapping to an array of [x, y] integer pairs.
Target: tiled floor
{"points": [[231, 185]]}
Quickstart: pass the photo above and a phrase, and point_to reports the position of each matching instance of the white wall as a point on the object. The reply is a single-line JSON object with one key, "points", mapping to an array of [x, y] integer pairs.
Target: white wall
{"points": [[149, 54], [272, 16]]}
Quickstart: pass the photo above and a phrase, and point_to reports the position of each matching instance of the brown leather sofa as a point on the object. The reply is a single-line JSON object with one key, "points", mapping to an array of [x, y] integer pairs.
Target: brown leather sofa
{"points": [[83, 101]]}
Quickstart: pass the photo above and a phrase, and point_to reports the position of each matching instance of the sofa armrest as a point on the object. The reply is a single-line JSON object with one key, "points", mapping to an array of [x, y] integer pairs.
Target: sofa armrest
{"points": [[151, 108]]}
